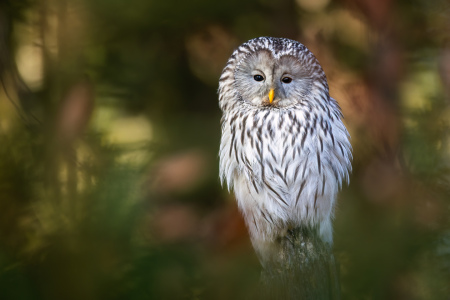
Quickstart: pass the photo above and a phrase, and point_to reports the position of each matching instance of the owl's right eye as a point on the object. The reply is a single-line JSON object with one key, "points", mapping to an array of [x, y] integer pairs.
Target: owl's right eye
{"points": [[258, 78]]}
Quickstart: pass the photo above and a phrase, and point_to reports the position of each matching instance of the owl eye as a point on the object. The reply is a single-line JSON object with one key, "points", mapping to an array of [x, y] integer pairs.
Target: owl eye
{"points": [[258, 78], [286, 79]]}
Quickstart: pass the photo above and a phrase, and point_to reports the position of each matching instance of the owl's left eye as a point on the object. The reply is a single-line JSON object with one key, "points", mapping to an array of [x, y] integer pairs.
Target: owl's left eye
{"points": [[258, 78], [286, 79]]}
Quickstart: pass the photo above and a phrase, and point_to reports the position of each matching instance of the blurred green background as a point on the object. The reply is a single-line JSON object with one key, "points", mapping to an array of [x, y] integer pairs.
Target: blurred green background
{"points": [[110, 128]]}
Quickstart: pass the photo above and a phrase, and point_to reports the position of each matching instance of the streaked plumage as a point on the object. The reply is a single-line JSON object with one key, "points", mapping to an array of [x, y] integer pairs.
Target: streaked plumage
{"points": [[284, 148]]}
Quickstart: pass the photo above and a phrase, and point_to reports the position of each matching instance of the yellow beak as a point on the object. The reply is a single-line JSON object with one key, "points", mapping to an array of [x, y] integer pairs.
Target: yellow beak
{"points": [[271, 94]]}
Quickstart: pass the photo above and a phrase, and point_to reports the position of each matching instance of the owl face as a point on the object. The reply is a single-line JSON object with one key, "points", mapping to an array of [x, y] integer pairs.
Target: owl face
{"points": [[265, 79]]}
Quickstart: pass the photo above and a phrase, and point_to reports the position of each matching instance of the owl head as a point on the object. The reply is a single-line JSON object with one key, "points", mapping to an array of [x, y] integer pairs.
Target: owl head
{"points": [[271, 72]]}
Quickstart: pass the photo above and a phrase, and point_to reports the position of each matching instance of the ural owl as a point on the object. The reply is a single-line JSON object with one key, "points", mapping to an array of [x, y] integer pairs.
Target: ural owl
{"points": [[284, 149]]}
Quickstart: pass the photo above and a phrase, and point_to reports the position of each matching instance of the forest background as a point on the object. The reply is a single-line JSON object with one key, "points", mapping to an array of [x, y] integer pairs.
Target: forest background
{"points": [[109, 136]]}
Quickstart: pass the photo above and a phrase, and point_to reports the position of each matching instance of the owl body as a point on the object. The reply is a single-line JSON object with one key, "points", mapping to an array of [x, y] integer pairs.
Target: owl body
{"points": [[284, 149]]}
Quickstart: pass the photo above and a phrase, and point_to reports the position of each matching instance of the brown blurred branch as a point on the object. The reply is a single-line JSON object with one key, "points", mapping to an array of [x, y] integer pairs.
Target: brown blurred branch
{"points": [[303, 267]]}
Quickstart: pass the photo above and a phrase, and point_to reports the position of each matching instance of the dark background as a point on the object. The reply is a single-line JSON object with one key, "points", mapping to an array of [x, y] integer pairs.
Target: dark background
{"points": [[110, 128]]}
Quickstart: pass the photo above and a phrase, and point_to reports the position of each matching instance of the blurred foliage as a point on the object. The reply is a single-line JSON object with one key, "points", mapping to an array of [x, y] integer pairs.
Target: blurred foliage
{"points": [[109, 132]]}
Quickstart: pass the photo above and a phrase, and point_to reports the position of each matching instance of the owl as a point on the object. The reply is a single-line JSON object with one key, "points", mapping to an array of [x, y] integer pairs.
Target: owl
{"points": [[284, 149]]}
